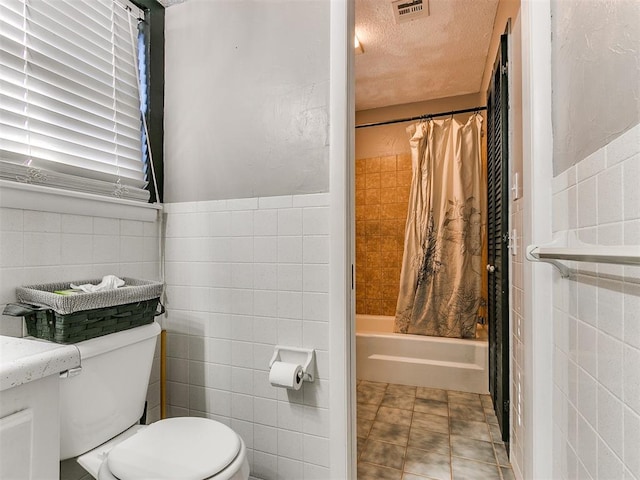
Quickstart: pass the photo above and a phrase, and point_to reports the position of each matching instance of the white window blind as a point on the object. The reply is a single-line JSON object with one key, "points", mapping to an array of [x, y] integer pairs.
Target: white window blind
{"points": [[69, 99]]}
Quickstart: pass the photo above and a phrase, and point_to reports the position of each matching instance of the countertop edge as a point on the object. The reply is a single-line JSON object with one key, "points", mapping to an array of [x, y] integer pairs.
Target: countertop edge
{"points": [[24, 360]]}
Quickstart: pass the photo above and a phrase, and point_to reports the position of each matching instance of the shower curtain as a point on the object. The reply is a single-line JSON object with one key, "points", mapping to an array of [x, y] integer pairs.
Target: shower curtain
{"points": [[441, 280]]}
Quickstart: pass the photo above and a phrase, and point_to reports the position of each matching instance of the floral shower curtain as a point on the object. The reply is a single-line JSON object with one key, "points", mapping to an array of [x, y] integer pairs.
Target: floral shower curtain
{"points": [[441, 280]]}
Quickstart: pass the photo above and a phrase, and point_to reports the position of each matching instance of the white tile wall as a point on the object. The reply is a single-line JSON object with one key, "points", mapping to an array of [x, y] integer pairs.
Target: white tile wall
{"points": [[517, 340], [242, 276], [597, 325], [44, 247]]}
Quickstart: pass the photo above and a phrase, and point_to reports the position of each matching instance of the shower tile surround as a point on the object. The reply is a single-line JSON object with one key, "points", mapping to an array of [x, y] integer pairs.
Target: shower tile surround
{"points": [[596, 398], [382, 197], [409, 433], [242, 276]]}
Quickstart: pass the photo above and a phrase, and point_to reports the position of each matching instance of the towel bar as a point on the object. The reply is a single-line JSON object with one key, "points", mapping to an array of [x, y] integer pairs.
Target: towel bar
{"points": [[568, 247]]}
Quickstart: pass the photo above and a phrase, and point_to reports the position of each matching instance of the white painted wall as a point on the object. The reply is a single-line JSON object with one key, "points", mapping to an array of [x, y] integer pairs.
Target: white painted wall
{"points": [[596, 75], [385, 140], [246, 99]]}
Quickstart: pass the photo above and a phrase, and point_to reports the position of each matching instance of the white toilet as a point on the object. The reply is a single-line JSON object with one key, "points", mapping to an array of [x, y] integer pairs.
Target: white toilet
{"points": [[101, 404]]}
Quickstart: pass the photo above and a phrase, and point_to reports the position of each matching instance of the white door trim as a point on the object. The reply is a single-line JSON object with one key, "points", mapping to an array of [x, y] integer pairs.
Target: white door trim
{"points": [[538, 279], [342, 436]]}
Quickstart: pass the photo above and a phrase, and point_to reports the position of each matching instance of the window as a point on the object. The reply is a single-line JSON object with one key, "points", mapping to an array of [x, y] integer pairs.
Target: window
{"points": [[69, 96]]}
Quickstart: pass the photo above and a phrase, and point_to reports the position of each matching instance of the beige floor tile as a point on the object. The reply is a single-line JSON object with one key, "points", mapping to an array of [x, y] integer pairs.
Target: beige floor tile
{"points": [[370, 395], [398, 434], [409, 433], [432, 394], [361, 443], [383, 453], [486, 400], [368, 471], [464, 397], [507, 473], [434, 407], [398, 401], [394, 415], [490, 414], [464, 469], [472, 449], [431, 441], [501, 454], [466, 412], [428, 421], [470, 428], [428, 464], [364, 427], [496, 434], [412, 476], [366, 411], [373, 385], [394, 389]]}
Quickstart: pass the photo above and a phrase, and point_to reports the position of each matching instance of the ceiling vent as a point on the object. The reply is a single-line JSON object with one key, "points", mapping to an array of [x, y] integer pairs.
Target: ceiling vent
{"points": [[407, 10]]}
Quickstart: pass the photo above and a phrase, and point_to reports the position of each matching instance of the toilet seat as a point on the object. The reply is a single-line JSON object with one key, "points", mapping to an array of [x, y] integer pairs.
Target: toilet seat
{"points": [[187, 448]]}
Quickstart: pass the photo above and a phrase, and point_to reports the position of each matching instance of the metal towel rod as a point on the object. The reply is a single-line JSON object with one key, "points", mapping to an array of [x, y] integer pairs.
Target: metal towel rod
{"points": [[568, 247]]}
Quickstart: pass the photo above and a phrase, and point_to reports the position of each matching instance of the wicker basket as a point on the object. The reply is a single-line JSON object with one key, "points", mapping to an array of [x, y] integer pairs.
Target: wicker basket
{"points": [[134, 290], [75, 318], [86, 324]]}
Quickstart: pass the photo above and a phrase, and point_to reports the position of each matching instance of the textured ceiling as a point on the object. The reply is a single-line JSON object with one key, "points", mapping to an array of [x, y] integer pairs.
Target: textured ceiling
{"points": [[442, 55]]}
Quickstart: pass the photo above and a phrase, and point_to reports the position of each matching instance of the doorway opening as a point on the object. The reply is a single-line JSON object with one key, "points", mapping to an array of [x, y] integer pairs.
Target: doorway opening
{"points": [[411, 416]]}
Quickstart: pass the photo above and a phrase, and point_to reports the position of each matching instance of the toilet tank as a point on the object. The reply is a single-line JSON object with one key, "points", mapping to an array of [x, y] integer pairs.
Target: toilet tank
{"points": [[107, 396]]}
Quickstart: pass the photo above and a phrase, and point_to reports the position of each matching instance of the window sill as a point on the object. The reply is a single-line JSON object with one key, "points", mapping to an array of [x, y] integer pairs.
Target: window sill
{"points": [[47, 199]]}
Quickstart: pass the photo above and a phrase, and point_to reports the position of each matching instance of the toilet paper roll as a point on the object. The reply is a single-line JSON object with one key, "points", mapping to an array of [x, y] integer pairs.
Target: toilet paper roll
{"points": [[288, 375]]}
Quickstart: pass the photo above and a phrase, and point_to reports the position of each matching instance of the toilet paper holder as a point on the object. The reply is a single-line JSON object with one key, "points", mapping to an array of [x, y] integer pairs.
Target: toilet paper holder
{"points": [[299, 356]]}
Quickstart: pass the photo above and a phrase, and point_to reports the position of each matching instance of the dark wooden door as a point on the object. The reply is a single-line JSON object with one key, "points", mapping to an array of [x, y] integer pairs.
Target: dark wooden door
{"points": [[498, 237]]}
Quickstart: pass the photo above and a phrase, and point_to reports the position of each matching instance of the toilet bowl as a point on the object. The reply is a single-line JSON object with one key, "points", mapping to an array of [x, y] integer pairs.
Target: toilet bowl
{"points": [[102, 402], [184, 448]]}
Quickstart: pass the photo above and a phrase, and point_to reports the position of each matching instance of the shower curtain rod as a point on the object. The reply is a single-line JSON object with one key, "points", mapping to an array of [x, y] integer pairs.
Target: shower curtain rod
{"points": [[422, 117]]}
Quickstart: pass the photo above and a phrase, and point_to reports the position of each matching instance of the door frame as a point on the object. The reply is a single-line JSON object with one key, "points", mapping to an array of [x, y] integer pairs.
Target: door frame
{"points": [[537, 141], [342, 372], [537, 174]]}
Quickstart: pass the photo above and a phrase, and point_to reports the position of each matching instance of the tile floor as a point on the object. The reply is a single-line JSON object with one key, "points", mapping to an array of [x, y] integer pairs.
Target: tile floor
{"points": [[416, 433], [71, 470]]}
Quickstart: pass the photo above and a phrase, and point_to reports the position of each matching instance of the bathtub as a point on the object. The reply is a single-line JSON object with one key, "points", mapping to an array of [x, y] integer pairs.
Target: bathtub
{"points": [[436, 362]]}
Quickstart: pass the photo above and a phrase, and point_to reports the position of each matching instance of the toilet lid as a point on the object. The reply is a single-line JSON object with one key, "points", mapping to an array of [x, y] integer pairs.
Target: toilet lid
{"points": [[186, 448]]}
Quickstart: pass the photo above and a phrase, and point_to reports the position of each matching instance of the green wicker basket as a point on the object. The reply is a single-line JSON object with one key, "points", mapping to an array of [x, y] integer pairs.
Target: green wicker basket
{"points": [[75, 318], [86, 324]]}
